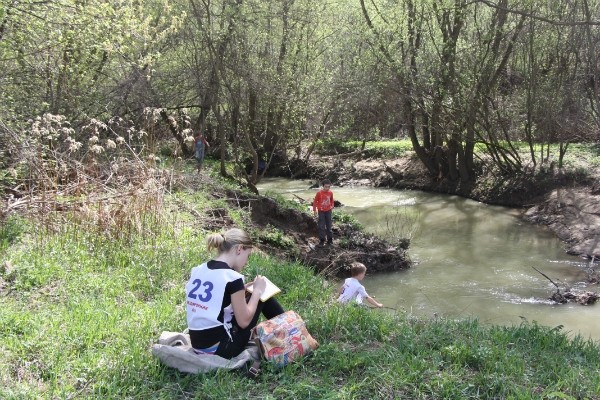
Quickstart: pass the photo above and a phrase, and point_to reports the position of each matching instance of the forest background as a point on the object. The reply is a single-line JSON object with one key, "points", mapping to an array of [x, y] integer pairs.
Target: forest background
{"points": [[474, 85]]}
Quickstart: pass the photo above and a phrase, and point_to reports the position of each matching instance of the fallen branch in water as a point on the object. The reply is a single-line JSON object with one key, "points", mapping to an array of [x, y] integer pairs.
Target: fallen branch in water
{"points": [[585, 298], [546, 276], [593, 276]]}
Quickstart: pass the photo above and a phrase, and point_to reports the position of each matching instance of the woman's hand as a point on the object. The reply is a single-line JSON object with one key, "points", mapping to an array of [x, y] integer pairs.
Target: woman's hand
{"points": [[244, 308], [260, 284]]}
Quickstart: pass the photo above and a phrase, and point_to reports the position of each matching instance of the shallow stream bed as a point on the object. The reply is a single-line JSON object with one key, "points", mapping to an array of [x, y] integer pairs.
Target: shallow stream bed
{"points": [[472, 260]]}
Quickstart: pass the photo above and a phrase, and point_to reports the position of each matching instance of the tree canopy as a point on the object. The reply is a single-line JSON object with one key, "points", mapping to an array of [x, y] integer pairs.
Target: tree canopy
{"points": [[263, 77]]}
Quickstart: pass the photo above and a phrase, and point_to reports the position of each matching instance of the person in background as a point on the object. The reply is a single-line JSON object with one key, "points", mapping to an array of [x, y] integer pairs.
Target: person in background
{"points": [[323, 206], [220, 313], [352, 289], [200, 145]]}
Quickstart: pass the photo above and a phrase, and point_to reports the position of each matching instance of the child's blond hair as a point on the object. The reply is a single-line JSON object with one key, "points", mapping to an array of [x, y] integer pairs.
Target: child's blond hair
{"points": [[357, 268]]}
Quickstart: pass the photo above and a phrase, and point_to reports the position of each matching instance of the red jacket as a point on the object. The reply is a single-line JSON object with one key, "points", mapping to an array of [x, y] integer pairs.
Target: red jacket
{"points": [[323, 201]]}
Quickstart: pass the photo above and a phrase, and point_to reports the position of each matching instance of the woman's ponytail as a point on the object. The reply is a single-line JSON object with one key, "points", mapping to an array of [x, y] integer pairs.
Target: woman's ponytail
{"points": [[223, 242]]}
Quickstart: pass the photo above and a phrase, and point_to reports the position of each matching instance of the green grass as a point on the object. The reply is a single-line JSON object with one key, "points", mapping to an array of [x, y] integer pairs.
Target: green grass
{"points": [[10, 230], [387, 148], [577, 153], [80, 310], [379, 148]]}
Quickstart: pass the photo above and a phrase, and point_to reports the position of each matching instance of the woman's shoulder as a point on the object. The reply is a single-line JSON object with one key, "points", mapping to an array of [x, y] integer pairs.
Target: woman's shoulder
{"points": [[223, 268], [198, 268]]}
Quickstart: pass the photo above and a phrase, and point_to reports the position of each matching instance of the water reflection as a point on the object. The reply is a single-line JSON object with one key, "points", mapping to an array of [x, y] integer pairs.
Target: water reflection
{"points": [[472, 259]]}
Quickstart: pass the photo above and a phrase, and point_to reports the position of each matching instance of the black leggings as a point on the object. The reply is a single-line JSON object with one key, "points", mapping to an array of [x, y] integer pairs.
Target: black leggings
{"points": [[229, 348]]}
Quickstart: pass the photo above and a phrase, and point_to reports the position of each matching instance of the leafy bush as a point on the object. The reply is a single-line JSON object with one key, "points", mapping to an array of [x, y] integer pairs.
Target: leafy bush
{"points": [[275, 237], [344, 218], [334, 146], [386, 148]]}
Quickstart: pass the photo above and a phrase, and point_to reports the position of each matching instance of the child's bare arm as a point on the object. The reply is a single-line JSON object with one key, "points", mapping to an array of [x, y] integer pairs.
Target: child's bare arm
{"points": [[374, 302]]}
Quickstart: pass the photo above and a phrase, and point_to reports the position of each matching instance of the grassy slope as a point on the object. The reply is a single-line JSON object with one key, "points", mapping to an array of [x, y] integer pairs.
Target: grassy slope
{"points": [[578, 155], [83, 310]]}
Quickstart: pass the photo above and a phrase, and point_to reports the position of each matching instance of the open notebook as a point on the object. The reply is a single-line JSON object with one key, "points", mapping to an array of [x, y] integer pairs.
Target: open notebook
{"points": [[270, 291]]}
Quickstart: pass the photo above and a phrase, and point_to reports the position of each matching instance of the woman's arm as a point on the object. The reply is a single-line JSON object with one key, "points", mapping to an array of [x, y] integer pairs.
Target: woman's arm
{"points": [[244, 312]]}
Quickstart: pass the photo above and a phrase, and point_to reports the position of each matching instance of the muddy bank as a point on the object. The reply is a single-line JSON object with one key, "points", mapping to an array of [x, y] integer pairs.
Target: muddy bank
{"points": [[569, 207], [574, 215], [349, 244]]}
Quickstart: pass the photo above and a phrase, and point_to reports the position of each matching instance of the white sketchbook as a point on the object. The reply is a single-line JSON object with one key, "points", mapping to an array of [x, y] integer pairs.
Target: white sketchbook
{"points": [[270, 290]]}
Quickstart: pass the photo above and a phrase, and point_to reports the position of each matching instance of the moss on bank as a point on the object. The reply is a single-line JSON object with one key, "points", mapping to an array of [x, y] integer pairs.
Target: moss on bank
{"points": [[79, 309]]}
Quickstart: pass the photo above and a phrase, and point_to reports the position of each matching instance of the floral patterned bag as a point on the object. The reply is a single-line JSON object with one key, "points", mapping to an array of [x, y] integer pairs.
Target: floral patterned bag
{"points": [[284, 338]]}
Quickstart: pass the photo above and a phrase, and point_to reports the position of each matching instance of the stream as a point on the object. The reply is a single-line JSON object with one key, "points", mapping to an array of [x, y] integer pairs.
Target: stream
{"points": [[471, 260]]}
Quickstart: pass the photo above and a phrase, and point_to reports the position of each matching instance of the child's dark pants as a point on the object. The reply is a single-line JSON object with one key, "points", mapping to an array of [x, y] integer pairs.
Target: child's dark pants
{"points": [[325, 226]]}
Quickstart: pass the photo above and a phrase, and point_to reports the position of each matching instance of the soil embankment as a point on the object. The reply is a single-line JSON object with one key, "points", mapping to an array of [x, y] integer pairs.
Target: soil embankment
{"points": [[574, 215], [569, 207], [349, 244]]}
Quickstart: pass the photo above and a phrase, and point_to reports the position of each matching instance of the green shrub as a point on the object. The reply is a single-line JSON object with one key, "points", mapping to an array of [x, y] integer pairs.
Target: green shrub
{"points": [[275, 237], [344, 218], [10, 231]]}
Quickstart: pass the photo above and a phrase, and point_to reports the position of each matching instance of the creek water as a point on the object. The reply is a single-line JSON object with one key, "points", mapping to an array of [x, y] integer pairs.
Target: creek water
{"points": [[471, 260]]}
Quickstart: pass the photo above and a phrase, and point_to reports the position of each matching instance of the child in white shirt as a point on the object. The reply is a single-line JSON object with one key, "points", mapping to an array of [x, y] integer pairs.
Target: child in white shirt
{"points": [[353, 290]]}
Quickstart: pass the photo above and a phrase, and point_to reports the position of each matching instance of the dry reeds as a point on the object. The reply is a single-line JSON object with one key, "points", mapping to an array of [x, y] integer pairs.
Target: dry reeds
{"points": [[105, 185]]}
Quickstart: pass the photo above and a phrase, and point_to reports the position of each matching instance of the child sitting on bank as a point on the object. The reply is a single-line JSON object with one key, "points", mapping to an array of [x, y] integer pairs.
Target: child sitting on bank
{"points": [[353, 290]]}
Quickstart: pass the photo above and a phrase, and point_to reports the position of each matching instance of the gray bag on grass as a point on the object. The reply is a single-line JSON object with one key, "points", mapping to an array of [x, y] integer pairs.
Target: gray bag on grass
{"points": [[174, 350]]}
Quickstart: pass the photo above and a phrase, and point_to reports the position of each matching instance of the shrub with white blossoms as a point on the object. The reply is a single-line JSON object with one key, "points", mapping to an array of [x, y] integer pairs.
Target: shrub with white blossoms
{"points": [[48, 127], [53, 154], [97, 149], [73, 145], [152, 114]]}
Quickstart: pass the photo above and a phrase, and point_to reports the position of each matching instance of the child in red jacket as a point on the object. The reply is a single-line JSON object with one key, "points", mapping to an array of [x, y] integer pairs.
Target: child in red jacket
{"points": [[322, 205]]}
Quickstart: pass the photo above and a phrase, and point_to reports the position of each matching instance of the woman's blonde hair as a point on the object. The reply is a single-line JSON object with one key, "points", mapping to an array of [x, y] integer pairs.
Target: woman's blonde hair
{"points": [[224, 242]]}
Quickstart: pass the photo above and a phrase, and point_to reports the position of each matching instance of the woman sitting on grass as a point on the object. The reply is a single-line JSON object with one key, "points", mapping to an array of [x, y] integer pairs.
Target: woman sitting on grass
{"points": [[220, 314]]}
